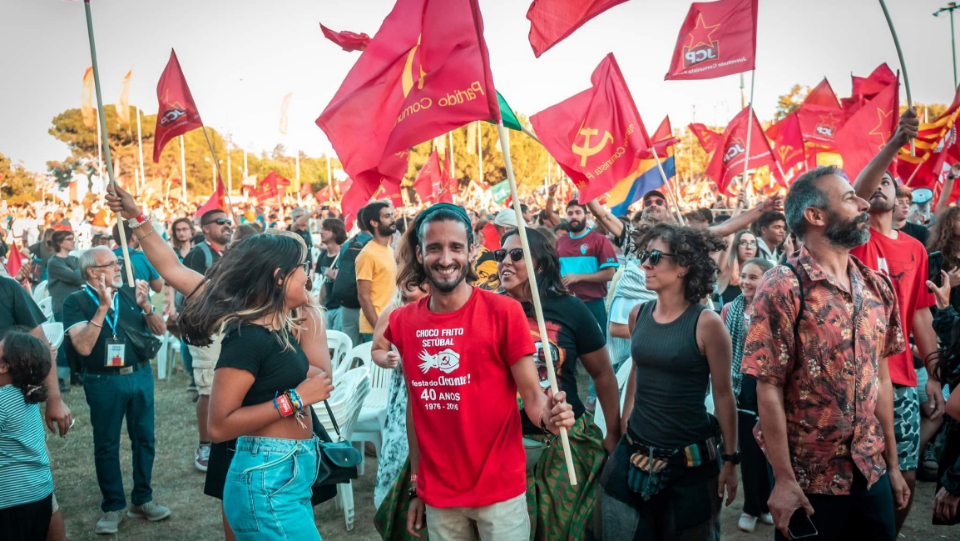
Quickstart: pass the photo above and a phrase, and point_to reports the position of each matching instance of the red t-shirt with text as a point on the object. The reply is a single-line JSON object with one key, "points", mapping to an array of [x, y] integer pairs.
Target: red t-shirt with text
{"points": [[463, 397], [904, 261]]}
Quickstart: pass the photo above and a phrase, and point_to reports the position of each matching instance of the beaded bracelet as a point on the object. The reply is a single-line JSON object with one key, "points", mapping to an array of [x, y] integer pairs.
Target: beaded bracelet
{"points": [[295, 399]]}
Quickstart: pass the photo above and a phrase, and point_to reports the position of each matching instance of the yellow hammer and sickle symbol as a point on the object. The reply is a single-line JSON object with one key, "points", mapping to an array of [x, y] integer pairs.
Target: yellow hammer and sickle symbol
{"points": [[407, 79], [586, 150]]}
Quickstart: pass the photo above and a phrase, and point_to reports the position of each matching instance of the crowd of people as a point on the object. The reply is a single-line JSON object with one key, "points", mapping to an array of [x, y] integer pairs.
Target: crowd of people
{"points": [[805, 346]]}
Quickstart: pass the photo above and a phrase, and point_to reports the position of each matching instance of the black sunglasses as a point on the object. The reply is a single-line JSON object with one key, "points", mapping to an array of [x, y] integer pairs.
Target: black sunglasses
{"points": [[218, 221], [516, 254], [653, 256], [653, 201]]}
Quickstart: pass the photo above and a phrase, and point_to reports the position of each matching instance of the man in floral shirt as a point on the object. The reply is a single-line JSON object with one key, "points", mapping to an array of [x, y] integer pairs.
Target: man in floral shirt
{"points": [[826, 403]]}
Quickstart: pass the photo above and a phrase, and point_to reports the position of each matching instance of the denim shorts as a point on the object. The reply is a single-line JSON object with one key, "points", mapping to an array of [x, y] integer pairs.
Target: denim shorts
{"points": [[267, 491]]}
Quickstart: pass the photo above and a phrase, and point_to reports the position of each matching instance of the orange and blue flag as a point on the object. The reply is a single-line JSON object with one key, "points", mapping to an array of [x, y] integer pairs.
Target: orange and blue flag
{"points": [[631, 189]]}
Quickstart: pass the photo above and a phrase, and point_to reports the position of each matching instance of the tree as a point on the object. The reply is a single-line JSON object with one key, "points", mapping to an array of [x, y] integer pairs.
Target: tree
{"points": [[791, 101], [17, 185]]}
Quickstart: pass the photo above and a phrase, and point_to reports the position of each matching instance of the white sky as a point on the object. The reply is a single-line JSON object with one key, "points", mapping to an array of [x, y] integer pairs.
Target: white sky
{"points": [[240, 58]]}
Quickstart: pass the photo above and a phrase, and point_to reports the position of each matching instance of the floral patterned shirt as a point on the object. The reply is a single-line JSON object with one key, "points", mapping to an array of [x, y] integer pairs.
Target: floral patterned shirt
{"points": [[830, 394]]}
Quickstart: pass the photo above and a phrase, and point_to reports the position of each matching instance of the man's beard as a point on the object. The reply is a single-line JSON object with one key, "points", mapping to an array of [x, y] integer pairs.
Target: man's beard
{"points": [[447, 286], [847, 233], [386, 230], [880, 206], [652, 216], [577, 226]]}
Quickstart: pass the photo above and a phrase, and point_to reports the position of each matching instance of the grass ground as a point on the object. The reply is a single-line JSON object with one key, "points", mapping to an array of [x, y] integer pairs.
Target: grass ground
{"points": [[179, 486]]}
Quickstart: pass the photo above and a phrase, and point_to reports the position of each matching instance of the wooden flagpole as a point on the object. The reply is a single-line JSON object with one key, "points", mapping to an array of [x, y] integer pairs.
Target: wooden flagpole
{"points": [[102, 132], [903, 66], [143, 177], [534, 292]]}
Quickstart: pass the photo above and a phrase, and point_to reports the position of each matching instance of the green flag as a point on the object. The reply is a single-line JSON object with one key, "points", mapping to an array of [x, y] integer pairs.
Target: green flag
{"points": [[501, 191], [510, 120]]}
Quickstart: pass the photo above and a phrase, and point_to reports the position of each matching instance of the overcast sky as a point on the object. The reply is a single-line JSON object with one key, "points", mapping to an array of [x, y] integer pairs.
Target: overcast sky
{"points": [[240, 58]]}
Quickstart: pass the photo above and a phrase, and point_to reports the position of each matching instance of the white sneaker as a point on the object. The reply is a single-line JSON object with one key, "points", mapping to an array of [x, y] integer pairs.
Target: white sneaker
{"points": [[747, 522], [767, 518]]}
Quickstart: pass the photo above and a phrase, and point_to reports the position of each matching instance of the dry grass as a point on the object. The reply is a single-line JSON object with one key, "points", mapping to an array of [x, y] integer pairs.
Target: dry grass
{"points": [[179, 486]]}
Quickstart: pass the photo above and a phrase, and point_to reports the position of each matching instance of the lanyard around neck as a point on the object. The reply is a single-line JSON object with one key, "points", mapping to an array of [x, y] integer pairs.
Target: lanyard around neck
{"points": [[116, 308]]}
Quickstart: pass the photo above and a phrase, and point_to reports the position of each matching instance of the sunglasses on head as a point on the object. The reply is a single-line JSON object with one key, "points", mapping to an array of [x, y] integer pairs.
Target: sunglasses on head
{"points": [[654, 201], [219, 221], [654, 256], [516, 254]]}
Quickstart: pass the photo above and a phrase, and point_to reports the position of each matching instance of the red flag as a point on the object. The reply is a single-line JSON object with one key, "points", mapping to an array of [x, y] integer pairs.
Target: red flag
{"points": [[391, 191], [788, 145], [349, 41], [324, 194], [304, 189], [865, 89], [664, 131], [429, 183], [353, 200], [727, 161], [596, 136], [450, 184], [822, 95], [868, 130], [14, 260], [268, 188], [178, 113], [935, 142], [707, 137], [551, 21], [217, 201], [282, 181], [425, 73], [716, 39], [491, 240]]}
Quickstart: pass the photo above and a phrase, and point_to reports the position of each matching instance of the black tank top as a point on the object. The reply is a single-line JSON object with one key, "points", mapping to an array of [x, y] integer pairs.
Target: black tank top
{"points": [[672, 377]]}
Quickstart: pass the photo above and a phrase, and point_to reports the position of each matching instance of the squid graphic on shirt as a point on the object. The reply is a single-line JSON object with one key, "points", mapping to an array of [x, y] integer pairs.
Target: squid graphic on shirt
{"points": [[446, 361], [556, 353]]}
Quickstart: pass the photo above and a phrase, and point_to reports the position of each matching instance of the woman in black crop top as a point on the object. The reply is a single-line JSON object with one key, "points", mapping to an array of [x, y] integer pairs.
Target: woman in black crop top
{"points": [[663, 480], [263, 377]]}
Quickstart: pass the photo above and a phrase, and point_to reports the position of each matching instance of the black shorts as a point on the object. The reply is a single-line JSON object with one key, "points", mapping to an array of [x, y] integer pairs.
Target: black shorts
{"points": [[26, 522]]}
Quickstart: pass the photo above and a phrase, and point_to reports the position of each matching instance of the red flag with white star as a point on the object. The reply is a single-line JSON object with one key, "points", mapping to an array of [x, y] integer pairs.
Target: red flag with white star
{"points": [[868, 130], [716, 39]]}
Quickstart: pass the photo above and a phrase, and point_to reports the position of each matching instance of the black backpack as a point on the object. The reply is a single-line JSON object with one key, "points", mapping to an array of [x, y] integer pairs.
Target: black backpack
{"points": [[345, 286]]}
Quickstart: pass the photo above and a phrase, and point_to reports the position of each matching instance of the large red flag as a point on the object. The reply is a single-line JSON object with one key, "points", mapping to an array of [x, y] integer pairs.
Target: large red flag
{"points": [[868, 130], [716, 39], [425, 73], [935, 142], [217, 201], [596, 136], [727, 161], [788, 145], [178, 113], [429, 181], [14, 260], [353, 200], [551, 21], [349, 41], [708, 138], [391, 191], [867, 88]]}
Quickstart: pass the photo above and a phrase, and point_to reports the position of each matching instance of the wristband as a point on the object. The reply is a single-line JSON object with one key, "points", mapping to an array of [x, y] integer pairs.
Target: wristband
{"points": [[413, 478], [295, 399], [282, 403], [137, 221]]}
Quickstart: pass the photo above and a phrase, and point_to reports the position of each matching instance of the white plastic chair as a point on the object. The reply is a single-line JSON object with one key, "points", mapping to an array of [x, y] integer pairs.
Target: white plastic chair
{"points": [[40, 292], [346, 403], [623, 373], [46, 306], [339, 344], [373, 415], [54, 333], [361, 352]]}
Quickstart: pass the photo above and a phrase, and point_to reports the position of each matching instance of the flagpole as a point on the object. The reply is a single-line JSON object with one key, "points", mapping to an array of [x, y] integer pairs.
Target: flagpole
{"points": [[529, 133], [534, 291], [101, 132], [183, 171], [452, 167], [229, 170], [663, 175], [143, 177], [903, 66], [746, 159], [99, 148], [480, 151], [216, 164]]}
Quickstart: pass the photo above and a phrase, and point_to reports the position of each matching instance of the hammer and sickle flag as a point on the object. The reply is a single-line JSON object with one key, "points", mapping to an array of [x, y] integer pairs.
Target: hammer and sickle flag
{"points": [[596, 136], [424, 73], [178, 113]]}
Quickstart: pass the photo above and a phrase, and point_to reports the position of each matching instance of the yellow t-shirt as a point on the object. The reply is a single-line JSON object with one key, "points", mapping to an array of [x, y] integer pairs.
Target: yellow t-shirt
{"points": [[377, 264]]}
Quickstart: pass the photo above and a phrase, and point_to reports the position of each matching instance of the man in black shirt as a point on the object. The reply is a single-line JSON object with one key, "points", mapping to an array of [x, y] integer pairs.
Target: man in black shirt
{"points": [[900, 212], [345, 292], [332, 237], [117, 382], [217, 232]]}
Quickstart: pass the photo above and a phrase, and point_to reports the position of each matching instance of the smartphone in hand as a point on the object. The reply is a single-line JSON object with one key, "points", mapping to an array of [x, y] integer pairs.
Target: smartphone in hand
{"points": [[801, 527]]}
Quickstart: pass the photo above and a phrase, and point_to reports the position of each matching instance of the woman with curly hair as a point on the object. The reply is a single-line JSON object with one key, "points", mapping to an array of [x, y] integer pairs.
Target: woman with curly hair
{"points": [[945, 238], [664, 480]]}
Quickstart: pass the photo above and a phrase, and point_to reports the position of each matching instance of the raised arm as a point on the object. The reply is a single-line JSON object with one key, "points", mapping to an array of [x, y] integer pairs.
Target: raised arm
{"points": [[944, 202], [552, 219], [609, 221], [160, 254], [744, 219], [869, 178]]}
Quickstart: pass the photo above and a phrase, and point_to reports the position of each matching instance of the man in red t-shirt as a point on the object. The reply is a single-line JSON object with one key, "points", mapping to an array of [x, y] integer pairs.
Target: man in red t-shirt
{"points": [[587, 262], [904, 260], [466, 354]]}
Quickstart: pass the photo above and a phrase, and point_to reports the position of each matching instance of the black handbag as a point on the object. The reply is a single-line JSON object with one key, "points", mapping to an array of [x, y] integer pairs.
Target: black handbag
{"points": [[338, 459], [145, 344]]}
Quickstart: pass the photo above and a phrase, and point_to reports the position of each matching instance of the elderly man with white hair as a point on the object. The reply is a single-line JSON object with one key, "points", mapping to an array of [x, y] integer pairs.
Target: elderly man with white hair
{"points": [[103, 319]]}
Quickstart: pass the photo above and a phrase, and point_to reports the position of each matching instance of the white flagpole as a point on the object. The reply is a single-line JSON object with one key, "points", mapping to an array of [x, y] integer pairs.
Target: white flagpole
{"points": [[99, 148], [747, 185], [143, 177], [183, 172], [480, 151]]}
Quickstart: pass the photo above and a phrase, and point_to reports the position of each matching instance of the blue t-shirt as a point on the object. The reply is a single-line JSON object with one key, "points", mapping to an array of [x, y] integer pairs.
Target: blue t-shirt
{"points": [[142, 269], [24, 464]]}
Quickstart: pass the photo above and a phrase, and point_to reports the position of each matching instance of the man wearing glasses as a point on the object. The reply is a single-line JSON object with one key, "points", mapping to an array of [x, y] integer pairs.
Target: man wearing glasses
{"points": [[117, 382], [217, 231]]}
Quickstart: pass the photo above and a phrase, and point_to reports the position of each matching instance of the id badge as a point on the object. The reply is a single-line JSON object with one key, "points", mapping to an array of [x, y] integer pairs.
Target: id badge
{"points": [[115, 350]]}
